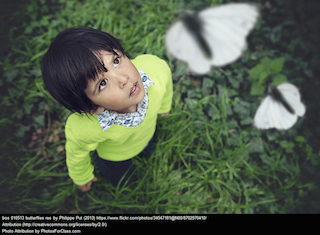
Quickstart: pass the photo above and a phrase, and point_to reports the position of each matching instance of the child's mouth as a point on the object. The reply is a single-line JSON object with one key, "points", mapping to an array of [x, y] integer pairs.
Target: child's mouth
{"points": [[135, 90]]}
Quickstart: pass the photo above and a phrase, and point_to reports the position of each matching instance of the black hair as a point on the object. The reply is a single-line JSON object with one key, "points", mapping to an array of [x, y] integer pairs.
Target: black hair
{"points": [[72, 59]]}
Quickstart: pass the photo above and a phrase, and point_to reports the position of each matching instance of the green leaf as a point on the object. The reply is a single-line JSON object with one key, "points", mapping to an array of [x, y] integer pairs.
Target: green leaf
{"points": [[235, 80], [10, 74], [246, 121], [191, 93], [278, 79], [308, 72], [191, 103], [5, 121], [245, 57], [275, 34], [300, 139], [27, 107], [302, 193], [265, 62], [205, 100], [207, 85], [255, 146], [186, 82], [199, 96], [277, 65], [256, 71], [283, 144], [212, 111], [35, 71], [314, 159], [40, 120], [242, 108], [20, 132], [263, 76], [180, 69], [272, 135], [257, 89], [287, 145]]}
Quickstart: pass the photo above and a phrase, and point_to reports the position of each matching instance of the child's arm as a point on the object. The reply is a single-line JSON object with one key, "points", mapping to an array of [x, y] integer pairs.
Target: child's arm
{"points": [[167, 99], [78, 159]]}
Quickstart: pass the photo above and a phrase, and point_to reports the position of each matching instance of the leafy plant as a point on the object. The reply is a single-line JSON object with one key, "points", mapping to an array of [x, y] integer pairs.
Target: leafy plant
{"points": [[266, 70]]}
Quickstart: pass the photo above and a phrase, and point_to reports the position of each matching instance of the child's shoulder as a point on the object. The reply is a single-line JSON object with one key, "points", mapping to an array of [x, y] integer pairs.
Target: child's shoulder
{"points": [[83, 126], [147, 58], [150, 63]]}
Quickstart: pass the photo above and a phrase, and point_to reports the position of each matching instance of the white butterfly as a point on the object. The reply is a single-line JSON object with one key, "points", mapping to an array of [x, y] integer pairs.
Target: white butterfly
{"points": [[280, 109], [215, 36]]}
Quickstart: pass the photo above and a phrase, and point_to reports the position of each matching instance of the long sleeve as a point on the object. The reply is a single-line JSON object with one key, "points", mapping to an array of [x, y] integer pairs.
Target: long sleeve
{"points": [[78, 158], [167, 99]]}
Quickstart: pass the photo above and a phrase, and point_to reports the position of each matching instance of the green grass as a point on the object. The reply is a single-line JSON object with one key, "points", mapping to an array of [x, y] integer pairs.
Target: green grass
{"points": [[208, 157], [189, 172]]}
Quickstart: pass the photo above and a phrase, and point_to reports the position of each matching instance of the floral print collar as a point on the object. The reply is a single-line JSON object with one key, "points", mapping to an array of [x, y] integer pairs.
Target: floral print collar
{"points": [[108, 118]]}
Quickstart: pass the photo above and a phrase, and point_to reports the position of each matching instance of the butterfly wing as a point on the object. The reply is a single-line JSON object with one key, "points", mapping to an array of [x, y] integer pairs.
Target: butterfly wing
{"points": [[272, 114], [292, 96], [225, 28], [285, 119], [262, 119], [184, 47]]}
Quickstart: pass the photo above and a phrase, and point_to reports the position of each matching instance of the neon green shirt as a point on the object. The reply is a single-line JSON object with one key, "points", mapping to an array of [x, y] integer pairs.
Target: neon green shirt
{"points": [[118, 143]]}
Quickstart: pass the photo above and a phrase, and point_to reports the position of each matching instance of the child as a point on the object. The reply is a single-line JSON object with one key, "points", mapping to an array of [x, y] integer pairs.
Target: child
{"points": [[115, 101]]}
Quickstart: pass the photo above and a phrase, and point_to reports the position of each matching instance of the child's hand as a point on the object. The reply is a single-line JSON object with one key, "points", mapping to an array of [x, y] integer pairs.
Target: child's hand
{"points": [[87, 186], [164, 114]]}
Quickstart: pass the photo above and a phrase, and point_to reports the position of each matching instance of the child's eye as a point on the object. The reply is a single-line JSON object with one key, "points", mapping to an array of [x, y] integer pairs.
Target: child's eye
{"points": [[116, 62], [103, 84]]}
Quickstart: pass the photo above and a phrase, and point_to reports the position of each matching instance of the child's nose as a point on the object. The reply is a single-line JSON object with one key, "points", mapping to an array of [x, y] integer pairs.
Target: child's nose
{"points": [[122, 79]]}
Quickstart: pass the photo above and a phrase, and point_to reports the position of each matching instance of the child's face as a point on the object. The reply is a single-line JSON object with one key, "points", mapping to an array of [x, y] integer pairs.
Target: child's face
{"points": [[112, 90]]}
